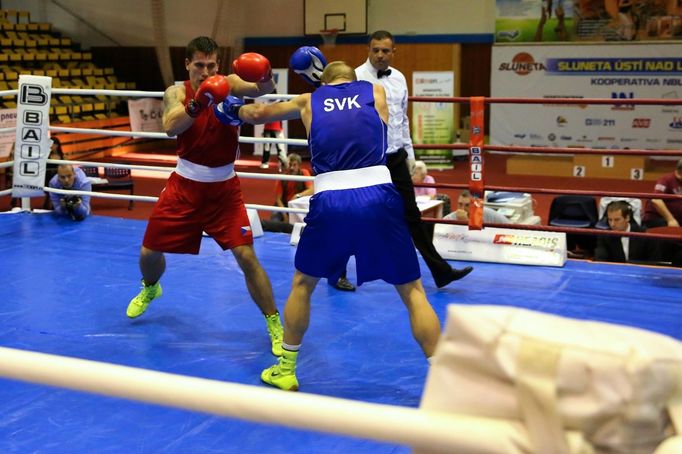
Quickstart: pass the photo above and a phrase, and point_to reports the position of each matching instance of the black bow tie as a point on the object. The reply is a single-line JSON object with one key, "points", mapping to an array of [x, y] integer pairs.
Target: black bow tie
{"points": [[381, 73]]}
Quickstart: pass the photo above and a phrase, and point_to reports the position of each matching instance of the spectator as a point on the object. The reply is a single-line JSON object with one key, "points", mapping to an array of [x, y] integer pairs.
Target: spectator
{"points": [[51, 169], [624, 249], [490, 216], [76, 207], [288, 190], [659, 213], [420, 175]]}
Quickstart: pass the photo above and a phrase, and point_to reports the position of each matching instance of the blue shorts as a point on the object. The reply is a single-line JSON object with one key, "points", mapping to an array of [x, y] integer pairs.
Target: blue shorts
{"points": [[368, 223]]}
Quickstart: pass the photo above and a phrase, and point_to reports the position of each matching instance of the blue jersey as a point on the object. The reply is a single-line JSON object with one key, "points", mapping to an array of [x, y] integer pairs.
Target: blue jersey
{"points": [[335, 110]]}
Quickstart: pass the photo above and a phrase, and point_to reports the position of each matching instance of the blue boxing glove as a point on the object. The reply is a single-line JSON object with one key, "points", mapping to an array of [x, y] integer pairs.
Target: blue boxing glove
{"points": [[227, 112], [308, 62]]}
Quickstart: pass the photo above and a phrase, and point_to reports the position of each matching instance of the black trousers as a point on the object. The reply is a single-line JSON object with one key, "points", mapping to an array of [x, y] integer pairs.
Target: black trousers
{"points": [[400, 174]]}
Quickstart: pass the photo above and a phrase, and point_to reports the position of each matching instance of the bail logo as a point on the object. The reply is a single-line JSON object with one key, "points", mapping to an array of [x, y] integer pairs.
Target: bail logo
{"points": [[33, 95]]}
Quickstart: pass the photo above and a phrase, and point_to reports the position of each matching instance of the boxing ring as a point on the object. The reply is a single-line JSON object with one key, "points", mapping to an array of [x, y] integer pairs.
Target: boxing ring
{"points": [[66, 286]]}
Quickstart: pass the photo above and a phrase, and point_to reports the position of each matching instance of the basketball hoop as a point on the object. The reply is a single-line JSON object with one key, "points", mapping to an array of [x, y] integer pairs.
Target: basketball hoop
{"points": [[329, 36]]}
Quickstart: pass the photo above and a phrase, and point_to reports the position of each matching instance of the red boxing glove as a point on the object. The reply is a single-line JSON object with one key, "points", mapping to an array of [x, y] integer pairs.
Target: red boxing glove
{"points": [[213, 90], [252, 67]]}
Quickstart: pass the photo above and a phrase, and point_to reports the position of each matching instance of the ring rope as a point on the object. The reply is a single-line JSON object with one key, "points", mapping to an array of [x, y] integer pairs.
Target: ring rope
{"points": [[145, 198], [94, 91], [632, 195], [607, 101], [550, 150], [426, 429], [550, 228], [163, 135]]}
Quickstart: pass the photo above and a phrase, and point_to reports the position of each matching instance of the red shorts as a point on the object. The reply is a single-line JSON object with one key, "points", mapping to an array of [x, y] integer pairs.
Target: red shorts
{"points": [[186, 208]]}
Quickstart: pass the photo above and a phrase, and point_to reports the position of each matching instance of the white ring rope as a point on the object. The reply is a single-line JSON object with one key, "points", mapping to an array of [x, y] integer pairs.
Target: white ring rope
{"points": [[94, 91], [255, 176], [163, 135], [146, 198], [131, 93], [431, 430]]}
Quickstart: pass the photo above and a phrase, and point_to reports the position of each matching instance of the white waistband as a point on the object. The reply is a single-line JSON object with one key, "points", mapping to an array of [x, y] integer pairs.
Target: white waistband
{"points": [[351, 179], [204, 174]]}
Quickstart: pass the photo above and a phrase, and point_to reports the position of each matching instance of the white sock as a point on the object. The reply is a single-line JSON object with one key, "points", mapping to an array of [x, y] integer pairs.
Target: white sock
{"points": [[291, 348]]}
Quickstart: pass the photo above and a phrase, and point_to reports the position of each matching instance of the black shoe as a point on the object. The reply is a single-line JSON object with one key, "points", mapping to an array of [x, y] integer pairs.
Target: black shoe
{"points": [[454, 275], [344, 284]]}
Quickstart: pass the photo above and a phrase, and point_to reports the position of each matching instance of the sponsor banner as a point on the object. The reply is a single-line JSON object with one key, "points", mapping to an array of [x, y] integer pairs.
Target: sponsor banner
{"points": [[433, 122], [587, 20], [32, 141], [281, 78], [625, 71], [8, 119], [146, 114], [522, 247]]}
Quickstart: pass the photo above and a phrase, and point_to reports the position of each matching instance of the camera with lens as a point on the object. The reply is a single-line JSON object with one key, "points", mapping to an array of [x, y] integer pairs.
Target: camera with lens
{"points": [[71, 201]]}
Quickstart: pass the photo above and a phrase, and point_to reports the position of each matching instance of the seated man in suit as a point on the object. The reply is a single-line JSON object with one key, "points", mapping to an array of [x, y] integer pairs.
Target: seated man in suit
{"points": [[624, 249]]}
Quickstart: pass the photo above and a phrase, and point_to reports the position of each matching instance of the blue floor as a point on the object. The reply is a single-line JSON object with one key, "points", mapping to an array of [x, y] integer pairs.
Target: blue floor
{"points": [[65, 287]]}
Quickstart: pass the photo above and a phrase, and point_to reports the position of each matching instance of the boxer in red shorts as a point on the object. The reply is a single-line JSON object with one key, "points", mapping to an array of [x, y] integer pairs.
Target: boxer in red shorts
{"points": [[203, 193]]}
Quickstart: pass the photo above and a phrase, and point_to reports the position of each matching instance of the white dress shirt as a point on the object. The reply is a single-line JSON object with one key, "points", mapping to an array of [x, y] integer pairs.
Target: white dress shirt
{"points": [[625, 240], [395, 86]]}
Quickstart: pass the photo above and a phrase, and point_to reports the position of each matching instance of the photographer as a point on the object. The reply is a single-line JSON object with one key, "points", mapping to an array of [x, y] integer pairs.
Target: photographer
{"points": [[74, 206]]}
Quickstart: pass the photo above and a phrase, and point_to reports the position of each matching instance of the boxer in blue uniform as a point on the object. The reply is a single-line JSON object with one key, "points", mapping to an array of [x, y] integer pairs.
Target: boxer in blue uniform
{"points": [[356, 210]]}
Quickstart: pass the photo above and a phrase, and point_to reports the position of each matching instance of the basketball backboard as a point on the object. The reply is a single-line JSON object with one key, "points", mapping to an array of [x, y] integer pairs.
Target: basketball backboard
{"points": [[348, 17]]}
